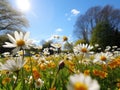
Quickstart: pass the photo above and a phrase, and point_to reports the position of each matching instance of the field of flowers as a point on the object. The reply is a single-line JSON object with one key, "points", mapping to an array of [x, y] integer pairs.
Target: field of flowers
{"points": [[83, 69]]}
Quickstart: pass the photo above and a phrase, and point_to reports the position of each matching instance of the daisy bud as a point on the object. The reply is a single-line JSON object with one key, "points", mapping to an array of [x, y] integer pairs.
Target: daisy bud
{"points": [[65, 38], [61, 65]]}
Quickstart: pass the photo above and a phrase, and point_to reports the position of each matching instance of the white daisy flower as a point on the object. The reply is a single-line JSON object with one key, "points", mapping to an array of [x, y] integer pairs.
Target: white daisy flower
{"points": [[46, 51], [82, 82], [13, 65], [38, 83], [56, 45], [19, 41], [82, 48], [6, 54], [102, 58], [30, 79], [42, 60]]}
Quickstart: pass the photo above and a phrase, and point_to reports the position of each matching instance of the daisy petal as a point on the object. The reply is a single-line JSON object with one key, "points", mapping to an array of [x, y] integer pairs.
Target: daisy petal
{"points": [[26, 35], [9, 45], [21, 35], [17, 36], [11, 38]]}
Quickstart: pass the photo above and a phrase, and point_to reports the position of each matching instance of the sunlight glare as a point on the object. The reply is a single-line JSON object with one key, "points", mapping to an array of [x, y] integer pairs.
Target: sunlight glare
{"points": [[23, 5]]}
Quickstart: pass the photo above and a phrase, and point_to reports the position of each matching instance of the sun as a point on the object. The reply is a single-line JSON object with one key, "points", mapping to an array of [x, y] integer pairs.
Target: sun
{"points": [[23, 5]]}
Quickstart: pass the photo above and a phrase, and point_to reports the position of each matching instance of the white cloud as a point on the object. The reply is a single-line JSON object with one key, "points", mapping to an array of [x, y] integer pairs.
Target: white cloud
{"points": [[75, 12], [72, 14], [59, 30]]}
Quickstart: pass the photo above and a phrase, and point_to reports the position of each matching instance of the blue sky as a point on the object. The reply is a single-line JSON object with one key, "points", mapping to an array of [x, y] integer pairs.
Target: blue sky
{"points": [[58, 17]]}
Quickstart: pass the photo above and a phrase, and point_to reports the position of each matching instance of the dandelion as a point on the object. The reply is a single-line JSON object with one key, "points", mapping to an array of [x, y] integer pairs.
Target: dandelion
{"points": [[99, 73], [82, 82], [87, 72], [36, 74], [6, 80], [19, 41], [43, 66], [114, 63], [27, 68], [51, 64]]}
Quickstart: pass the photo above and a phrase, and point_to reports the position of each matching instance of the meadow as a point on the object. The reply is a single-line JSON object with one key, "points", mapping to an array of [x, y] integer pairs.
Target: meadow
{"points": [[82, 69]]}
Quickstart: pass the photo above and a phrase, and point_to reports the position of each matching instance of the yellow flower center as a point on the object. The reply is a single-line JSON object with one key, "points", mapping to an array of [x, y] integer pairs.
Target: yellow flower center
{"points": [[80, 86], [37, 55], [65, 38], [103, 58], [20, 42], [84, 50]]}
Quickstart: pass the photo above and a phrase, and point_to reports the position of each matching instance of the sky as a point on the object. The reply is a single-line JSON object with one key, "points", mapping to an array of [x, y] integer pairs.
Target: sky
{"points": [[56, 17]]}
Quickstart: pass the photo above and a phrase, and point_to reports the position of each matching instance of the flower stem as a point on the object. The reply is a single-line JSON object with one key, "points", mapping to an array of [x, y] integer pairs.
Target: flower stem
{"points": [[15, 84], [22, 76]]}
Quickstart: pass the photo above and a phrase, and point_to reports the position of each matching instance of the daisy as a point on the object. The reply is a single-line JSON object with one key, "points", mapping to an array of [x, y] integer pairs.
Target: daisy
{"points": [[13, 65], [42, 60], [6, 54], [102, 58], [46, 51], [56, 45], [82, 82], [65, 38], [82, 48], [19, 41], [38, 83]]}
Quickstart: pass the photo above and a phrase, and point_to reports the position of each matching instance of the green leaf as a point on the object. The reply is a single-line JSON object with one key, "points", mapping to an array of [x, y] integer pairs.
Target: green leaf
{"points": [[18, 86]]}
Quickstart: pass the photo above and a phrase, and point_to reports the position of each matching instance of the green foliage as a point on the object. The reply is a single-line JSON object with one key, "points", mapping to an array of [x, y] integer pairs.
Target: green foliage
{"points": [[3, 39], [104, 35], [47, 44], [68, 47], [80, 41]]}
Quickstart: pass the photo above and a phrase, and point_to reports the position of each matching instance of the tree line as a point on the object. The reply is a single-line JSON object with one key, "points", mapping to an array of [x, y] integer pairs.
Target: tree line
{"points": [[99, 25]]}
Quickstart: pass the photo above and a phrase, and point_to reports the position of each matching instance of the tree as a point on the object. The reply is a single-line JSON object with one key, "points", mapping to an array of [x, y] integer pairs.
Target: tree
{"points": [[80, 41], [86, 22], [81, 30], [68, 47], [3, 39], [11, 19], [105, 35]]}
